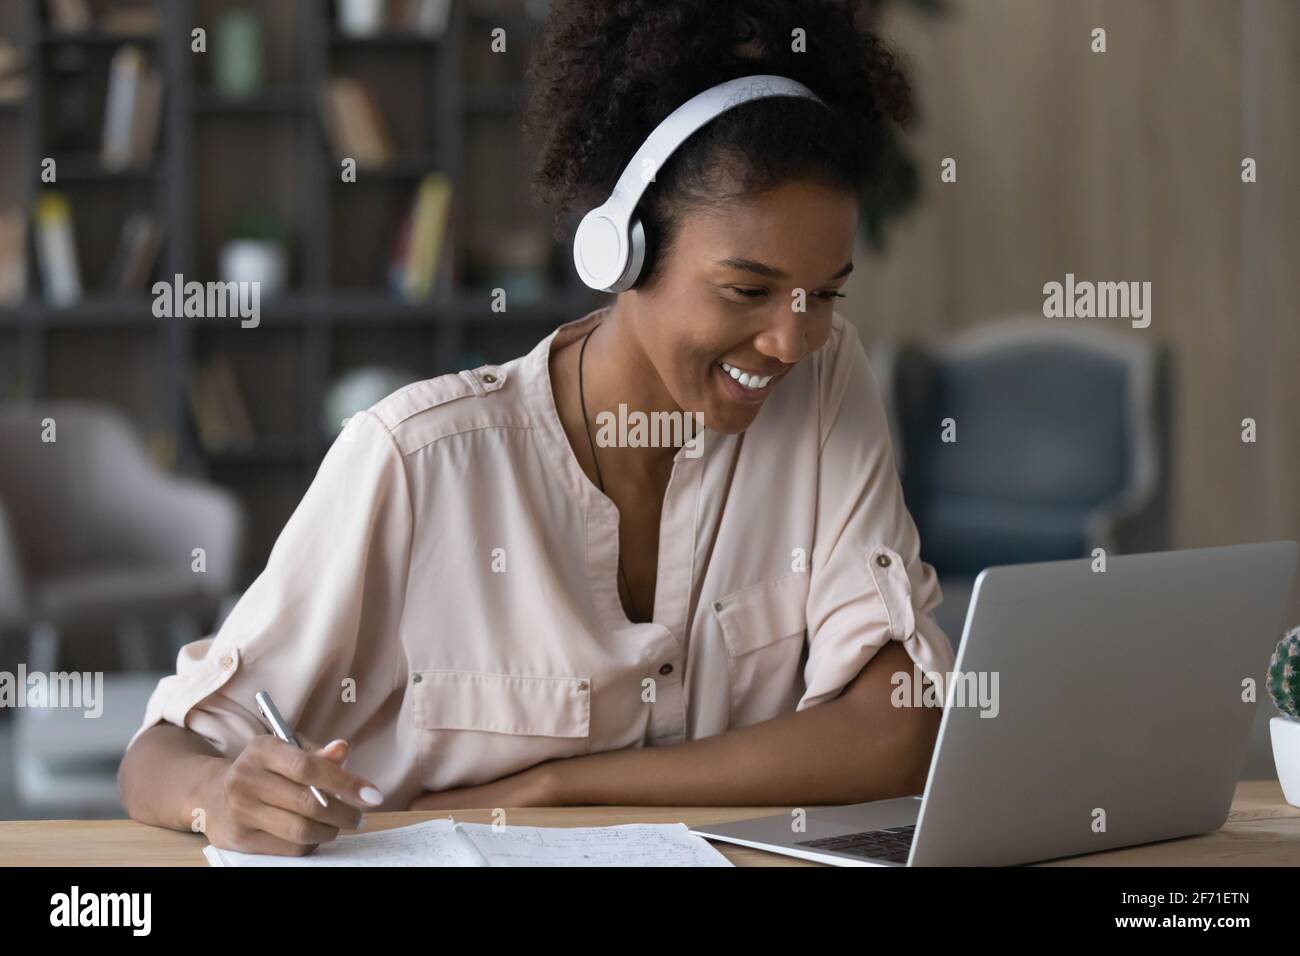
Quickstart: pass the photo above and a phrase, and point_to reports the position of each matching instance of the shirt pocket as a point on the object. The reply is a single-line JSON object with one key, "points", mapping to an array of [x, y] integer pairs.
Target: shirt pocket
{"points": [[889, 576], [483, 726], [764, 629], [502, 703]]}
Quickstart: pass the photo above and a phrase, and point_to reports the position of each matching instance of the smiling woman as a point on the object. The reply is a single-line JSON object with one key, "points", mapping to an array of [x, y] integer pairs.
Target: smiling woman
{"points": [[494, 609]]}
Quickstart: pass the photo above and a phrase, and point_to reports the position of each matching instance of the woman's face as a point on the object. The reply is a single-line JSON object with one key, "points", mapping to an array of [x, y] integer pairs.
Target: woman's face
{"points": [[725, 298]]}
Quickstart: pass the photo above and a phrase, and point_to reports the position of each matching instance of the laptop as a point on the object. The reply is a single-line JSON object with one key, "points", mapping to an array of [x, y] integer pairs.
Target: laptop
{"points": [[1115, 710]]}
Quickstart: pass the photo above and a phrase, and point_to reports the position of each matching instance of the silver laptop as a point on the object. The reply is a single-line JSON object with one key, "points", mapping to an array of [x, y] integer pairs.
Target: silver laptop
{"points": [[1119, 715]]}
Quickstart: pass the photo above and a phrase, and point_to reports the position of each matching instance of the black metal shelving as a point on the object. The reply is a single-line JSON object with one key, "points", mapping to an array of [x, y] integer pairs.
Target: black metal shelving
{"points": [[309, 320]]}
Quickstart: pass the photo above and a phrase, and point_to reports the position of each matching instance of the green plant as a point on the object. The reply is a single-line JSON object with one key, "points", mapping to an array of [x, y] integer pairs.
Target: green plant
{"points": [[256, 222], [1284, 674]]}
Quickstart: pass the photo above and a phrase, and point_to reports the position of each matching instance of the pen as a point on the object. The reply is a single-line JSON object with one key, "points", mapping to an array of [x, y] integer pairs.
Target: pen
{"points": [[281, 728]]}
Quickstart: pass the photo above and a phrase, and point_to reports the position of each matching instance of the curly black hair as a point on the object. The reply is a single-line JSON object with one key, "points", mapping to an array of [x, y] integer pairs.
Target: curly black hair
{"points": [[604, 73]]}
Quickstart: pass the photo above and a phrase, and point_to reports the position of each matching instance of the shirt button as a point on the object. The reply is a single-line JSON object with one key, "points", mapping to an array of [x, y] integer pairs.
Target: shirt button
{"points": [[882, 560], [489, 378], [582, 685], [227, 662], [666, 670], [717, 605], [415, 678]]}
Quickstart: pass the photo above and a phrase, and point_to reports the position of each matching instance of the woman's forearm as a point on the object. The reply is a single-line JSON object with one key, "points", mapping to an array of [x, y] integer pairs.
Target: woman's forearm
{"points": [[855, 748], [163, 775]]}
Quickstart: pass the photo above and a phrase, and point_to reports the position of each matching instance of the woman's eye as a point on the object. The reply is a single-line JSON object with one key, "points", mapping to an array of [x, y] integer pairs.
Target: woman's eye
{"points": [[825, 295]]}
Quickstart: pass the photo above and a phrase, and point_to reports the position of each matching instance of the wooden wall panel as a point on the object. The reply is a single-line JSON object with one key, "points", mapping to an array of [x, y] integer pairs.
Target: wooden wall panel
{"points": [[1121, 166]]}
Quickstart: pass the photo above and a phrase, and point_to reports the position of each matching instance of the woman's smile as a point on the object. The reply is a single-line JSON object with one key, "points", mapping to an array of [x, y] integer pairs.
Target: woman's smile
{"points": [[743, 385]]}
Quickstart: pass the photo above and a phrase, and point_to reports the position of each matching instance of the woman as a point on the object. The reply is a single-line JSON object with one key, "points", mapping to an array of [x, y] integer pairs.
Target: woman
{"points": [[487, 607]]}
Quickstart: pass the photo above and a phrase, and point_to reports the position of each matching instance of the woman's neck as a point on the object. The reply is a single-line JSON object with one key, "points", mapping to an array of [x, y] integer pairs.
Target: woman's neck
{"points": [[615, 371]]}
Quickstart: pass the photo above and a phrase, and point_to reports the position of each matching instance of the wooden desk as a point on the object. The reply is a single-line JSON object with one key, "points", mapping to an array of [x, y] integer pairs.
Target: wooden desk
{"points": [[1262, 830]]}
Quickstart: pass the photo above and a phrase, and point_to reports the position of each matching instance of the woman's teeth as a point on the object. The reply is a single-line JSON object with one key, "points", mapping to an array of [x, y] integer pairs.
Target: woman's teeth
{"points": [[745, 378]]}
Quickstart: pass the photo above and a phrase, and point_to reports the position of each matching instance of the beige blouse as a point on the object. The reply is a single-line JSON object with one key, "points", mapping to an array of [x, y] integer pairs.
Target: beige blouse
{"points": [[445, 594]]}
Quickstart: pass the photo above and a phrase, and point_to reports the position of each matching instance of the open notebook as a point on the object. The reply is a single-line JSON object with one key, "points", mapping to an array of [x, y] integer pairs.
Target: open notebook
{"points": [[451, 843]]}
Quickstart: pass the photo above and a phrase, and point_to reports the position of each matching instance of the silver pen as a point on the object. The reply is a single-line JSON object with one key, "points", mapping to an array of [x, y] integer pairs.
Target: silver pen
{"points": [[280, 727]]}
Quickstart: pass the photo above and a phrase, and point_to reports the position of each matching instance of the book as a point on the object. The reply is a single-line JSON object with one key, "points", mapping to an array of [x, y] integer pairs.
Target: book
{"points": [[221, 378], [452, 843], [430, 223], [137, 253], [124, 77], [13, 79], [221, 415], [209, 423], [69, 16], [14, 89], [354, 124], [13, 257], [12, 60], [144, 118], [56, 250], [132, 110], [422, 244], [138, 18], [426, 18]]}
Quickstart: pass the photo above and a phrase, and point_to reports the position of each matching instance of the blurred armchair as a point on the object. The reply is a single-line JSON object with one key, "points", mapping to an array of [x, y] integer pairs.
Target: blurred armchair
{"points": [[1063, 444], [95, 537]]}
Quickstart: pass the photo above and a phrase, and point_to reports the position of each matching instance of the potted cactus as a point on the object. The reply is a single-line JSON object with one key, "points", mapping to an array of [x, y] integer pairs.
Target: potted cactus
{"points": [[1284, 688]]}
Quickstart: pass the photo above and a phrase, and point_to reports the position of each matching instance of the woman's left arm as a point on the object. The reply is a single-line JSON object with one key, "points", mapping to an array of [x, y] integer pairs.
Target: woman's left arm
{"points": [[851, 749], [854, 748]]}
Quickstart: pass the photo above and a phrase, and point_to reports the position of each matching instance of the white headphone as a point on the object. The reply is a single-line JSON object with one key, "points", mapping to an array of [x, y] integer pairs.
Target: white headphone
{"points": [[609, 246]]}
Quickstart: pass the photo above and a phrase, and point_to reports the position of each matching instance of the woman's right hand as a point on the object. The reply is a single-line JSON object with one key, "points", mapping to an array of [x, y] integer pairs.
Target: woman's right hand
{"points": [[261, 801]]}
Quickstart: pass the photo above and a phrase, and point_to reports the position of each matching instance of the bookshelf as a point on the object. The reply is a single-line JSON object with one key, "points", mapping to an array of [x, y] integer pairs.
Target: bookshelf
{"points": [[451, 107]]}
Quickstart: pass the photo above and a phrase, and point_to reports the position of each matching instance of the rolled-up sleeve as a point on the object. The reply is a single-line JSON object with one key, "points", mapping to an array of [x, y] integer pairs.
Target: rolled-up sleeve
{"points": [[318, 628], [868, 583]]}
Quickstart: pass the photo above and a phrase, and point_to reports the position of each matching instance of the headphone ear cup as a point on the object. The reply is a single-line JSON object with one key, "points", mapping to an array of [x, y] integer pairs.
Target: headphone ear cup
{"points": [[601, 250], [636, 256]]}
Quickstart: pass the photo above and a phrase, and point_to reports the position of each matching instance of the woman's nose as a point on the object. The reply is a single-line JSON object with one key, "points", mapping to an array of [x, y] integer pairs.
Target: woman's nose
{"points": [[785, 338]]}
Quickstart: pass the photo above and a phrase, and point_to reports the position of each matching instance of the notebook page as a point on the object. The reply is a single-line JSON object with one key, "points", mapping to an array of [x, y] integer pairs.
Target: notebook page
{"points": [[629, 844], [432, 843]]}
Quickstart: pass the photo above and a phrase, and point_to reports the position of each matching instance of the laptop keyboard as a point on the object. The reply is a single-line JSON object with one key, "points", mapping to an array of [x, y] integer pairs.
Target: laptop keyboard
{"points": [[892, 844]]}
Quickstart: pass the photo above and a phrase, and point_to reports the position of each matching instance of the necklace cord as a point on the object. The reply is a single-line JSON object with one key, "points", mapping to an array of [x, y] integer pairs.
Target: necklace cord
{"points": [[586, 421], [591, 442]]}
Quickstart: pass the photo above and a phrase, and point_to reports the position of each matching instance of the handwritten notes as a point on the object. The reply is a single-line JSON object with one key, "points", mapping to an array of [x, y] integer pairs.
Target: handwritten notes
{"points": [[432, 843], [449, 843], [632, 844]]}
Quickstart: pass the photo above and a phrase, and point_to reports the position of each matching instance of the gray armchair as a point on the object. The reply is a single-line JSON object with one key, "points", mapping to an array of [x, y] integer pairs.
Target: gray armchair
{"points": [[95, 537], [1063, 443]]}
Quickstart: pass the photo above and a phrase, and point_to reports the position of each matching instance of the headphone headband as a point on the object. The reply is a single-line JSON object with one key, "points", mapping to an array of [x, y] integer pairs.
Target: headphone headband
{"points": [[609, 246]]}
